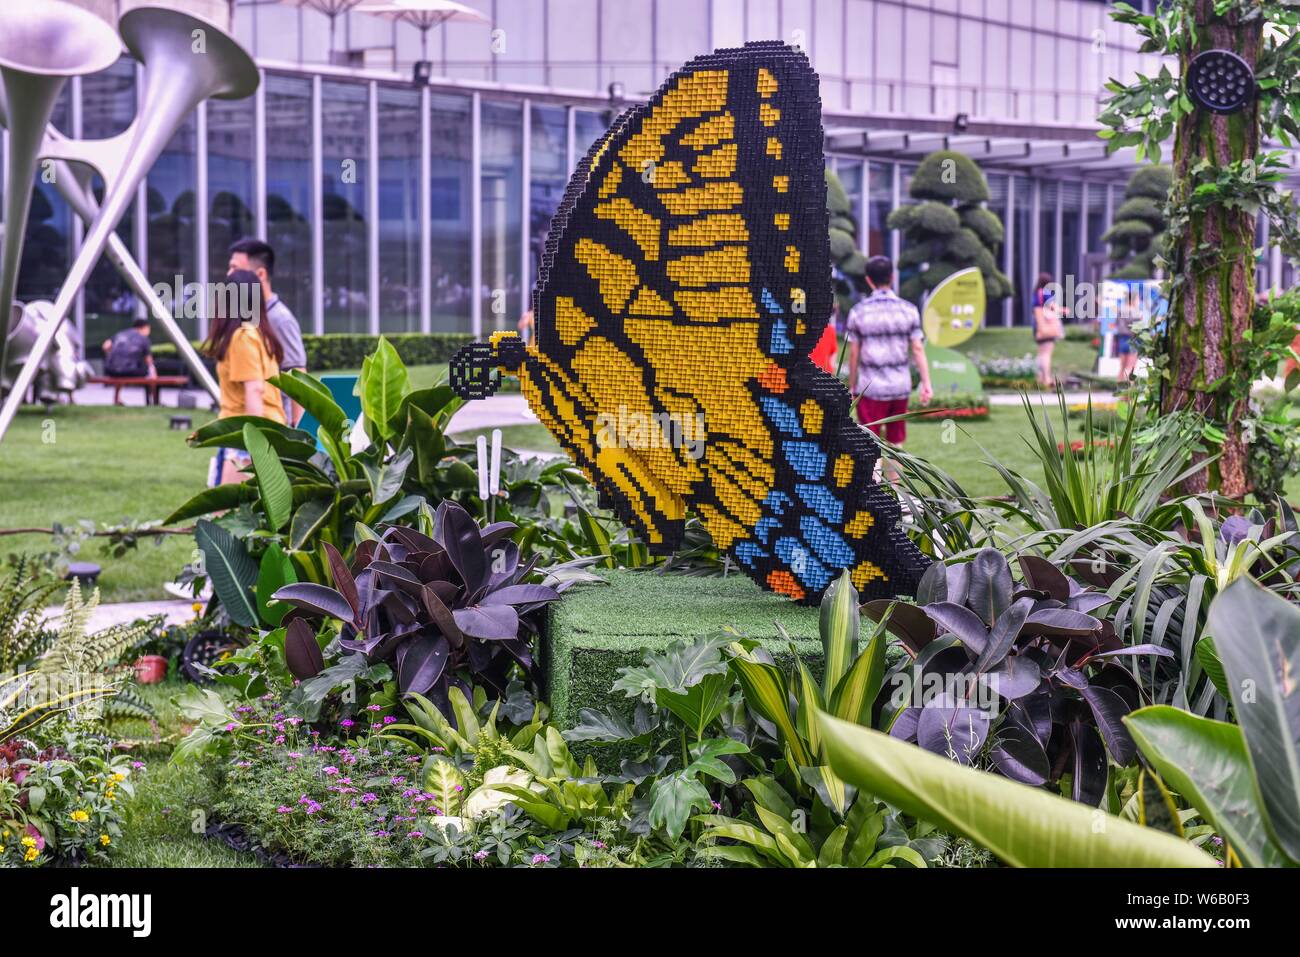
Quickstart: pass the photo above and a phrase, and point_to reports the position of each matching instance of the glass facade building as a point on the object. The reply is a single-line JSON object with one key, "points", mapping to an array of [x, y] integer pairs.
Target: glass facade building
{"points": [[401, 207]]}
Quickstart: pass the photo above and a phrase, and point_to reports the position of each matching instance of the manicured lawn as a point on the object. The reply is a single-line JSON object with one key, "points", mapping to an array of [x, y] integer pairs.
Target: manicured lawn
{"points": [[109, 465], [1068, 357]]}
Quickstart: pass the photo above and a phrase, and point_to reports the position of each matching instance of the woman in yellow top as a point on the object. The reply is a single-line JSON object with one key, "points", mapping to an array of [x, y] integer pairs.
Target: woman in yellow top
{"points": [[248, 354]]}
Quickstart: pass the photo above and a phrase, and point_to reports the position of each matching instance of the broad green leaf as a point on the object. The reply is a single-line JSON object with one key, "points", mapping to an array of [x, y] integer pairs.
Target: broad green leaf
{"points": [[314, 396], [1257, 636], [1206, 762], [854, 696], [672, 798], [765, 691], [219, 498], [840, 624], [1024, 826], [307, 520], [1208, 657], [386, 478], [231, 569], [272, 482], [274, 572], [382, 386], [445, 782]]}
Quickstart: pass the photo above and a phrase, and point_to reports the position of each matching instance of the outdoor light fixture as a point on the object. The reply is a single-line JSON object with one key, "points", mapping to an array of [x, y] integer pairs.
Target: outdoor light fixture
{"points": [[960, 122], [1220, 81], [421, 72], [616, 93]]}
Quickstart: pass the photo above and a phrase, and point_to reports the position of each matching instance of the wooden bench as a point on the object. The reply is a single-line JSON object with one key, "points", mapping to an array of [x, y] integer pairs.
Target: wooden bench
{"points": [[151, 385]]}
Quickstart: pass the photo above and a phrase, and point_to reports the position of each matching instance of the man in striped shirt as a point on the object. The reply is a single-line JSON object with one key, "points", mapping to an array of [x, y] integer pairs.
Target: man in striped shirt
{"points": [[884, 334]]}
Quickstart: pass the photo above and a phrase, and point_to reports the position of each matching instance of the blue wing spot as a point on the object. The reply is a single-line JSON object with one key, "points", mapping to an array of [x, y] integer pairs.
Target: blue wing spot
{"points": [[781, 415], [748, 551], [777, 502], [802, 564], [822, 501], [772, 305], [806, 459], [764, 526], [781, 344], [827, 544]]}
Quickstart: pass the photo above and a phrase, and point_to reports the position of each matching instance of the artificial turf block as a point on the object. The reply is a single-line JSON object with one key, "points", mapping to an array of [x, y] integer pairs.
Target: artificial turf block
{"points": [[597, 629]]}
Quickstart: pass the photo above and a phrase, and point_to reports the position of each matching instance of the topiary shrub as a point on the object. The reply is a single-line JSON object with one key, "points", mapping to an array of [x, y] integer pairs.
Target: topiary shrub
{"points": [[949, 229], [846, 246], [1136, 237]]}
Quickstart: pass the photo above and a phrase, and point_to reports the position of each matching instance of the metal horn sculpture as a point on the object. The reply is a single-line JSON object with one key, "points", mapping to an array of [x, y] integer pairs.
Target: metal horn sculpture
{"points": [[186, 60], [67, 41]]}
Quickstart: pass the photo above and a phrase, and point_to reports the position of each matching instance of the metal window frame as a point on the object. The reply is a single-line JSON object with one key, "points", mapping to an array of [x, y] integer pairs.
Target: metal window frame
{"points": [[372, 207], [896, 187], [525, 219], [140, 239], [78, 228], [259, 156], [317, 211], [425, 193], [476, 216], [201, 208]]}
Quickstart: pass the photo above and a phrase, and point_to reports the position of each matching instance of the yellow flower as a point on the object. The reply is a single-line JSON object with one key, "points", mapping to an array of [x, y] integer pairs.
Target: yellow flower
{"points": [[29, 841], [31, 855], [119, 777], [81, 817], [105, 840]]}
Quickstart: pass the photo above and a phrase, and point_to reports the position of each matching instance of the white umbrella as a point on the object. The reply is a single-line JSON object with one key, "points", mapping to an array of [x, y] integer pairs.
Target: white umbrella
{"points": [[331, 9], [424, 15]]}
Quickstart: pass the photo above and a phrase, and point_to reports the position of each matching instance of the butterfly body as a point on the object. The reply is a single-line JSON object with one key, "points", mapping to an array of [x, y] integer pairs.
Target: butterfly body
{"points": [[686, 278]]}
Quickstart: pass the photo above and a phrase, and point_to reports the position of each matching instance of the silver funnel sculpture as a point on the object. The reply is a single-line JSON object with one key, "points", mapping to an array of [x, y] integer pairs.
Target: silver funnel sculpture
{"points": [[41, 45], [186, 60]]}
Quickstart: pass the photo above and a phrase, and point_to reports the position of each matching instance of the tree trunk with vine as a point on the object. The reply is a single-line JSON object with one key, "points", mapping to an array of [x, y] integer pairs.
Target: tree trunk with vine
{"points": [[1213, 263]]}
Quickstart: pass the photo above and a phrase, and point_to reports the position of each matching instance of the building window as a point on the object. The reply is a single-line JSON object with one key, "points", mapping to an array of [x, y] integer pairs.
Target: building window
{"points": [[345, 114], [231, 188], [288, 190], [502, 200], [1023, 265], [548, 176], [1071, 224], [450, 213], [399, 209], [108, 106], [1047, 230], [880, 202]]}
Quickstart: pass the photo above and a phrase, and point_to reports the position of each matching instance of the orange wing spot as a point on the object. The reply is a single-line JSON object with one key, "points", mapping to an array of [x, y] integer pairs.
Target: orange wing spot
{"points": [[843, 470], [773, 379], [768, 114], [783, 583], [782, 221], [791, 258], [782, 183], [866, 572], [767, 84], [773, 147]]}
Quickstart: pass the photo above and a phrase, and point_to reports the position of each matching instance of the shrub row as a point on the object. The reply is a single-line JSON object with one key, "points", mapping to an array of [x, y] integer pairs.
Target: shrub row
{"points": [[342, 350]]}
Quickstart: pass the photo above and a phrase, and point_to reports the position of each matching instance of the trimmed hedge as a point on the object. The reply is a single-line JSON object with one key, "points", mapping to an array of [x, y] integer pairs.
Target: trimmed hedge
{"points": [[343, 350], [597, 629]]}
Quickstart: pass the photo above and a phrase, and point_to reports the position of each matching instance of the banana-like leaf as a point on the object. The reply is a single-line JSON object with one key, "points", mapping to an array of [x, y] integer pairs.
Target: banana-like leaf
{"points": [[220, 498], [272, 482], [232, 570], [313, 395], [1024, 826], [307, 520], [840, 624], [382, 386], [1206, 762], [1257, 636]]}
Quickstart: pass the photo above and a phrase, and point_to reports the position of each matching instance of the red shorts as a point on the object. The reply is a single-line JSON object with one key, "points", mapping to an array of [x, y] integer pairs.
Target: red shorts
{"points": [[873, 410]]}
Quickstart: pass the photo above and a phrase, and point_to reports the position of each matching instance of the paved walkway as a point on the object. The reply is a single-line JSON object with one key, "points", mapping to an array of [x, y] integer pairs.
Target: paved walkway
{"points": [[174, 612]]}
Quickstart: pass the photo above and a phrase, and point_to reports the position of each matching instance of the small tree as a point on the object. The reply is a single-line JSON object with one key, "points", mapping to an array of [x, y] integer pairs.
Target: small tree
{"points": [[1137, 235], [1209, 351], [950, 229], [846, 247]]}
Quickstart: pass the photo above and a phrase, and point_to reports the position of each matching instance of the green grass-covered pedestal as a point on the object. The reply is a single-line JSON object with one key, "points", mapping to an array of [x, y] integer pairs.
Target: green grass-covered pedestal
{"points": [[597, 629]]}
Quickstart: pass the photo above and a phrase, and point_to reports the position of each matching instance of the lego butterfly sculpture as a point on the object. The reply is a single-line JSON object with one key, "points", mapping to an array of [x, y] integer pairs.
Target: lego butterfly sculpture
{"points": [[686, 278]]}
